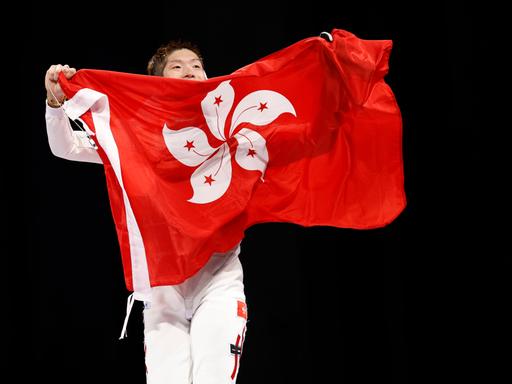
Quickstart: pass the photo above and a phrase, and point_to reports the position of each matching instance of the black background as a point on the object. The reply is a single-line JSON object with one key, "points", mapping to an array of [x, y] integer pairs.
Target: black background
{"points": [[400, 304]]}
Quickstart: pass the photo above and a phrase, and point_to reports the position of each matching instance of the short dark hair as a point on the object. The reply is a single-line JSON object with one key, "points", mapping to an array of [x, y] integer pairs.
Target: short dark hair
{"points": [[157, 63]]}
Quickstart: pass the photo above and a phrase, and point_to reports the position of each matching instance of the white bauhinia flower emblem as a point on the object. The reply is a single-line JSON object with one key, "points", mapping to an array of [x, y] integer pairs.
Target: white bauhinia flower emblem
{"points": [[190, 145]]}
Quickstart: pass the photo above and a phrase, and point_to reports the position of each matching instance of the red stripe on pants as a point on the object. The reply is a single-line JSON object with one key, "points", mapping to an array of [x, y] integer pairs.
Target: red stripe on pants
{"points": [[236, 359]]}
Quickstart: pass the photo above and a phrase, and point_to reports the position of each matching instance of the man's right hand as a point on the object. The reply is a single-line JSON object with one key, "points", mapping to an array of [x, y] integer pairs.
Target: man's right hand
{"points": [[54, 93]]}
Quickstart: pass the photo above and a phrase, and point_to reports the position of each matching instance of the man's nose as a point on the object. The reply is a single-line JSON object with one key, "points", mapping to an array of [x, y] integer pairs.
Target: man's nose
{"points": [[189, 74]]}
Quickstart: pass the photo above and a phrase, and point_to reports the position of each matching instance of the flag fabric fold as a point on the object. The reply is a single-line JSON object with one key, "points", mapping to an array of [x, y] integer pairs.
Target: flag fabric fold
{"points": [[310, 135]]}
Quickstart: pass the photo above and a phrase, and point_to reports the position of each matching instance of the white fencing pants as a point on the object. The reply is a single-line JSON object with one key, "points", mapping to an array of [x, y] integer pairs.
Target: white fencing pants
{"points": [[194, 331]]}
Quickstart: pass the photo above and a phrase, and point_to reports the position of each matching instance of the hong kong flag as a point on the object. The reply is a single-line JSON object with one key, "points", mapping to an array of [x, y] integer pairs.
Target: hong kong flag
{"points": [[309, 135]]}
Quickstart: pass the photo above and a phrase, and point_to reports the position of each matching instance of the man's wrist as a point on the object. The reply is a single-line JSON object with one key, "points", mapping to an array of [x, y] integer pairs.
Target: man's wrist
{"points": [[54, 103]]}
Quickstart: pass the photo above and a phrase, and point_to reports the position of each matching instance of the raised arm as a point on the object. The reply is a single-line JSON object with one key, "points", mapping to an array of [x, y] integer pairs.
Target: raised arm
{"points": [[64, 141]]}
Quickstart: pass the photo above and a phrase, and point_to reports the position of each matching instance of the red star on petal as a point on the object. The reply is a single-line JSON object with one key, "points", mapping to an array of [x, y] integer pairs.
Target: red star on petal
{"points": [[218, 100], [209, 179], [251, 152], [262, 107], [189, 145]]}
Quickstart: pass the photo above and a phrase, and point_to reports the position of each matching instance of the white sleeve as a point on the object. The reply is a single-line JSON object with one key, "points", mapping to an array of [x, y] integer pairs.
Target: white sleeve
{"points": [[66, 143]]}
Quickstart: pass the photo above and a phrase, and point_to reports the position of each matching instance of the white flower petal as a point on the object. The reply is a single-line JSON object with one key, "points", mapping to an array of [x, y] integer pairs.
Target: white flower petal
{"points": [[216, 106], [260, 108], [188, 145], [251, 152], [211, 180]]}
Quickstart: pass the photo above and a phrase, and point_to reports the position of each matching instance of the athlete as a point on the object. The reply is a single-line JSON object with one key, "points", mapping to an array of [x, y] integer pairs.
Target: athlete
{"points": [[193, 331]]}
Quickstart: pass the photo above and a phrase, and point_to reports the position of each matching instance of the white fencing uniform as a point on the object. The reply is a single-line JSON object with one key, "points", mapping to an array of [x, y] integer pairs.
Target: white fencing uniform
{"points": [[193, 331]]}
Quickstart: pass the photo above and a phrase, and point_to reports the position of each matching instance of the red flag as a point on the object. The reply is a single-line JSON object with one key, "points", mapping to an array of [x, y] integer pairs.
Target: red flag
{"points": [[309, 135]]}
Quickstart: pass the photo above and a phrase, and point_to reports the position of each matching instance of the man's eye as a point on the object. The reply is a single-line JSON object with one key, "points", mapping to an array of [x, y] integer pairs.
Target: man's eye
{"points": [[176, 67], [197, 66]]}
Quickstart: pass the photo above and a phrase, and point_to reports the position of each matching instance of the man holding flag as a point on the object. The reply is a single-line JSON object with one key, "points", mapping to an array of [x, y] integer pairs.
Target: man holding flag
{"points": [[309, 135]]}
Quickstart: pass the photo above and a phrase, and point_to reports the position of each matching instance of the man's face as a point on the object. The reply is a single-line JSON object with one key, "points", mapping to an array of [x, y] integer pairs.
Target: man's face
{"points": [[184, 64]]}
